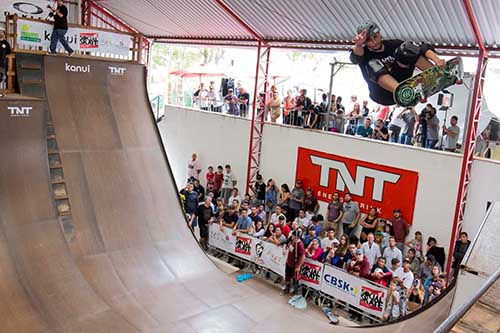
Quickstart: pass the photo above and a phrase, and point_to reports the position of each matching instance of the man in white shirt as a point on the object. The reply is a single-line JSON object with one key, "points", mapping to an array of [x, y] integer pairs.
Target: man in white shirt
{"points": [[405, 278], [228, 183], [392, 251], [327, 242], [194, 168], [371, 249], [274, 219], [452, 133]]}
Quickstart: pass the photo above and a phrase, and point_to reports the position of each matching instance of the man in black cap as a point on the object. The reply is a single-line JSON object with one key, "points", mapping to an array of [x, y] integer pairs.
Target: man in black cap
{"points": [[385, 63]]}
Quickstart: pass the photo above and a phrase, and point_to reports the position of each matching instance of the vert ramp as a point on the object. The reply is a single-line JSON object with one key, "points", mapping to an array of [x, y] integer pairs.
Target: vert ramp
{"points": [[113, 253]]}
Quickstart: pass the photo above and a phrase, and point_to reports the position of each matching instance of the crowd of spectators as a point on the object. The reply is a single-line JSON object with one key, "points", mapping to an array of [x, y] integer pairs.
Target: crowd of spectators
{"points": [[365, 245], [394, 124]]}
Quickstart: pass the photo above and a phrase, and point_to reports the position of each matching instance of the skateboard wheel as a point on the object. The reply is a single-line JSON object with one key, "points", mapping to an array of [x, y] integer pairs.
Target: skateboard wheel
{"points": [[459, 81], [423, 100]]}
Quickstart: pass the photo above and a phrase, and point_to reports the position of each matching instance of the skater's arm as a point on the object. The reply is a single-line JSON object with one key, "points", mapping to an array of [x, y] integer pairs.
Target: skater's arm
{"points": [[358, 50], [432, 56]]}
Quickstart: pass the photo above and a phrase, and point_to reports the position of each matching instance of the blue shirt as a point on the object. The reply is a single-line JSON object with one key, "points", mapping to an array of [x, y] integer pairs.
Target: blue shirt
{"points": [[243, 223]]}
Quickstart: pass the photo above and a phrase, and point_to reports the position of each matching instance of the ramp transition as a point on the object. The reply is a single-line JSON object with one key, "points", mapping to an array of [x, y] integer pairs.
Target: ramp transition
{"points": [[116, 256]]}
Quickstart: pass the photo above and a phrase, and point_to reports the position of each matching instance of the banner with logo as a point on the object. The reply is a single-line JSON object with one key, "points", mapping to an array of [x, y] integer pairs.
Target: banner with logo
{"points": [[310, 273], [351, 289], [36, 8], [270, 256], [221, 239], [370, 184], [37, 34]]}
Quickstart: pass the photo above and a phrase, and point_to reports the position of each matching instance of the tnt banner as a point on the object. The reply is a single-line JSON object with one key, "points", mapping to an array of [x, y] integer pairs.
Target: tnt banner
{"points": [[369, 184], [310, 273], [37, 34], [353, 290], [270, 256]]}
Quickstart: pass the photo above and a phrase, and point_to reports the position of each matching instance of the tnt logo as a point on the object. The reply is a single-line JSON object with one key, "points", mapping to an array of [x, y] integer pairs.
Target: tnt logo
{"points": [[370, 184], [117, 70], [355, 185], [23, 111]]}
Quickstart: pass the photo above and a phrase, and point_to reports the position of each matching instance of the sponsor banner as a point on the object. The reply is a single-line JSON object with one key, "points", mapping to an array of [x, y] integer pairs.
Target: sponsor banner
{"points": [[221, 239], [370, 184], [243, 247], [351, 289], [37, 34], [31, 8], [20, 111], [270, 256], [310, 273]]}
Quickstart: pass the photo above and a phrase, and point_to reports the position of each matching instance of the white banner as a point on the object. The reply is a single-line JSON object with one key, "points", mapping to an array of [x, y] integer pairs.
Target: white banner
{"points": [[310, 273], [35, 8], [351, 289], [221, 239], [37, 34], [270, 256]]}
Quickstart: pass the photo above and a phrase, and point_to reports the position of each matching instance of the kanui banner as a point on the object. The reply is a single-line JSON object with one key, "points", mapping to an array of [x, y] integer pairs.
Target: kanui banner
{"points": [[370, 184]]}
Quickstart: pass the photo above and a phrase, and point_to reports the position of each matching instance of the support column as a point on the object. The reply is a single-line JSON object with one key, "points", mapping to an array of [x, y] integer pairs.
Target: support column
{"points": [[257, 126], [471, 134]]}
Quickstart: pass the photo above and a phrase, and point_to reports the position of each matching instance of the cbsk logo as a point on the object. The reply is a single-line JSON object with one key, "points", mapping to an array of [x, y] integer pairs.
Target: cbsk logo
{"points": [[77, 68], [23, 111], [340, 284], [117, 70], [354, 186]]}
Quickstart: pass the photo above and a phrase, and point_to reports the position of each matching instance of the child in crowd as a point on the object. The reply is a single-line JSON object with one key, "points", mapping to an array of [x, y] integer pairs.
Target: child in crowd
{"points": [[379, 232], [392, 302], [385, 237], [210, 176]]}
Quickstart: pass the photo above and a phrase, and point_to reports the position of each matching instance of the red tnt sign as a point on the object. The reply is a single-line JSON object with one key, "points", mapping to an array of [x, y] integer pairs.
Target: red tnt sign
{"points": [[370, 184]]}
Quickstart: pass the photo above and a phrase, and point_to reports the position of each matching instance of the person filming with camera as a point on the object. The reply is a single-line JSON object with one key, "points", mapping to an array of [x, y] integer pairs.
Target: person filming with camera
{"points": [[60, 14]]}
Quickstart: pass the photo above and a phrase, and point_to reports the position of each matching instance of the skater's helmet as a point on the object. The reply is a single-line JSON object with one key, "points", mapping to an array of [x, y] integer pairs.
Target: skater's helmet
{"points": [[371, 27]]}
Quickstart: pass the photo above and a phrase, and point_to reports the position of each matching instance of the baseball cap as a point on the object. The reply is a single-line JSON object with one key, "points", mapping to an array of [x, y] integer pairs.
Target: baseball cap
{"points": [[359, 251], [431, 258], [397, 210], [406, 260], [378, 270]]}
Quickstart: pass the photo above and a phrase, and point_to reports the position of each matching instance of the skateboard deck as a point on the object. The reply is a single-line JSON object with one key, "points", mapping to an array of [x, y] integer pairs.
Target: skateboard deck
{"points": [[418, 88], [329, 314]]}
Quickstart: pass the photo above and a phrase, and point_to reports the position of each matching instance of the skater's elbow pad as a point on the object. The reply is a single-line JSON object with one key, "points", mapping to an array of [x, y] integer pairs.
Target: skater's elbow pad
{"points": [[424, 47], [355, 59]]}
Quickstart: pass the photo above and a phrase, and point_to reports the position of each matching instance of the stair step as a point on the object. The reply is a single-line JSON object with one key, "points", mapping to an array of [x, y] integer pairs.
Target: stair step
{"points": [[31, 66], [57, 181], [33, 82]]}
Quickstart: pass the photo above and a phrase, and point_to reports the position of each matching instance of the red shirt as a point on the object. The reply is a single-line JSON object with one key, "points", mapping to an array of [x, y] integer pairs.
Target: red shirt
{"points": [[285, 229], [218, 181], [400, 228], [295, 252], [210, 177]]}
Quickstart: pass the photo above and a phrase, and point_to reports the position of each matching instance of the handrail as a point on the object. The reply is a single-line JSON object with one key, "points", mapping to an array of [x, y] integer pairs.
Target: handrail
{"points": [[452, 320]]}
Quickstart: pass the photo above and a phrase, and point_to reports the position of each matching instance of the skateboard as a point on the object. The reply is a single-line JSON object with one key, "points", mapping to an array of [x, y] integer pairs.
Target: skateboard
{"points": [[329, 314], [418, 88]]}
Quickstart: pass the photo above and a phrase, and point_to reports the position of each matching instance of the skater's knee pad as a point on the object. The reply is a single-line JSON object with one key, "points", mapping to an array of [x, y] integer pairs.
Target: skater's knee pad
{"points": [[407, 53], [375, 69]]}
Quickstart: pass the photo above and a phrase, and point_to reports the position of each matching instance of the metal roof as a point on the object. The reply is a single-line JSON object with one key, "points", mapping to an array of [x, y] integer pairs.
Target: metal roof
{"points": [[317, 23]]}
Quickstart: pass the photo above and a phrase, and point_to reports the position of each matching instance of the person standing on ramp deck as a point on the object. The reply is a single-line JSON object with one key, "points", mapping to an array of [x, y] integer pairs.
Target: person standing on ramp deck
{"points": [[386, 63], [60, 14]]}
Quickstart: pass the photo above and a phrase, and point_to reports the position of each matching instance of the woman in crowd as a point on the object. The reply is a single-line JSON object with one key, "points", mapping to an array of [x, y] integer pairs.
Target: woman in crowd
{"points": [[288, 105], [368, 224], [274, 106], [259, 229], [284, 200], [269, 231], [314, 250], [354, 116], [271, 198], [341, 251], [415, 295], [385, 237], [431, 280]]}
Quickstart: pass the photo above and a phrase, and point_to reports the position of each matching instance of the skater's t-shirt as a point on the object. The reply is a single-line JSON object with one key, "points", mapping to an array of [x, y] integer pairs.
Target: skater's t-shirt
{"points": [[377, 93], [295, 252]]}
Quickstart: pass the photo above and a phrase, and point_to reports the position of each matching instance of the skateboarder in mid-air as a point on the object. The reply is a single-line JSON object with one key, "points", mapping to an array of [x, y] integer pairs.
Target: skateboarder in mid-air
{"points": [[386, 63]]}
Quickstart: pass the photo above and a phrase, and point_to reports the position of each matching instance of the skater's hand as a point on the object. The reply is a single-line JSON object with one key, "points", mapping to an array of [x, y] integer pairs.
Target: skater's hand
{"points": [[440, 62], [360, 39]]}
